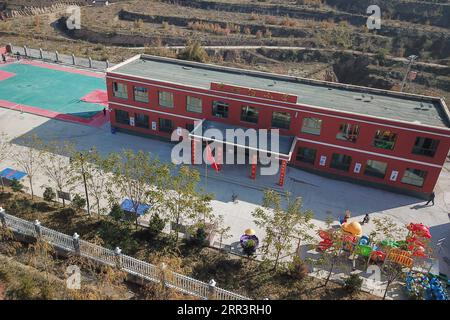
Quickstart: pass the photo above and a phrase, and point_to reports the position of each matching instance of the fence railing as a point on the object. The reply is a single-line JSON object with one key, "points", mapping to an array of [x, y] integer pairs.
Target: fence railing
{"points": [[115, 258], [56, 57]]}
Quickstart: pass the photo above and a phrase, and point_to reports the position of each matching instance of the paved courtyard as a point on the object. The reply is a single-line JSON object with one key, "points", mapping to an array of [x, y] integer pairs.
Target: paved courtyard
{"points": [[322, 195]]}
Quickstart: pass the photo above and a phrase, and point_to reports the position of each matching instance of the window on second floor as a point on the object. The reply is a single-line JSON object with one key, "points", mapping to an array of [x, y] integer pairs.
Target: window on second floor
{"points": [[414, 177], [384, 139], [341, 161], [140, 94], [281, 120], [166, 99], [120, 90], [348, 132], [312, 126], [194, 104], [425, 146], [375, 169], [249, 114], [122, 117], [220, 109]]}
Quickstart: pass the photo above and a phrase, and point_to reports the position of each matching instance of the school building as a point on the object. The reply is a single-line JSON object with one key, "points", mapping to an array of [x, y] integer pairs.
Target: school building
{"points": [[382, 138]]}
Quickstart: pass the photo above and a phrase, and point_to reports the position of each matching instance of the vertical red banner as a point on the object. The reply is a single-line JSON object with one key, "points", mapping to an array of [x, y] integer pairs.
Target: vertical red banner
{"points": [[254, 163], [282, 173]]}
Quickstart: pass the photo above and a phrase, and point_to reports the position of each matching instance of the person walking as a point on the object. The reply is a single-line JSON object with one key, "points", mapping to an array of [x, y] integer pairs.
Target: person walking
{"points": [[431, 199], [104, 112], [366, 219]]}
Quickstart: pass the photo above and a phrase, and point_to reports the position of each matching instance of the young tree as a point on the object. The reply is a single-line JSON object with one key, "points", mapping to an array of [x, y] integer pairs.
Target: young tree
{"points": [[138, 176], [282, 222], [28, 158], [97, 173], [5, 149], [184, 203], [56, 165], [331, 257]]}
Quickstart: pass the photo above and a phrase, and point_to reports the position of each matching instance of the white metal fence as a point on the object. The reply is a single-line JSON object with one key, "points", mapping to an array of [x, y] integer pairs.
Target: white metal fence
{"points": [[115, 258]]}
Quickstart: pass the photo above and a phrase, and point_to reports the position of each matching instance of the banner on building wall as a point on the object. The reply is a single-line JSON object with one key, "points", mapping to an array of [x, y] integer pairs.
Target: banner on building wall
{"points": [[132, 121], [394, 175], [357, 168], [323, 161], [153, 125]]}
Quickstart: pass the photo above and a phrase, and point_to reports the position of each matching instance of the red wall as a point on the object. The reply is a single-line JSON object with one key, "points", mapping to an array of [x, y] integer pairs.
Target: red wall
{"points": [[331, 121]]}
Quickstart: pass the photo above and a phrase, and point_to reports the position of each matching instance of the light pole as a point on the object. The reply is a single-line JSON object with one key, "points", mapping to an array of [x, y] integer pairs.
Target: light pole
{"points": [[411, 60], [83, 173]]}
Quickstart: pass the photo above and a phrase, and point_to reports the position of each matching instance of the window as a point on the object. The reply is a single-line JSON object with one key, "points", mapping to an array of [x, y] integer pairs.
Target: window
{"points": [[120, 90], [376, 169], [166, 99], [348, 132], [141, 120], [122, 117], [425, 146], [249, 114], [220, 109], [165, 125], [384, 139], [312, 126], [281, 120], [307, 155], [140, 94], [341, 162], [414, 177], [194, 104]]}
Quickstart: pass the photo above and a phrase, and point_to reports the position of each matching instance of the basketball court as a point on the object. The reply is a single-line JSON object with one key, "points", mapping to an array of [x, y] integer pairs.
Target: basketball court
{"points": [[54, 91]]}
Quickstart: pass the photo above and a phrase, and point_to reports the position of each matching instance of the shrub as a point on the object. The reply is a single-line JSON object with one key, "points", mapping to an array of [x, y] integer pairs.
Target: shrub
{"points": [[78, 202], [16, 185], [298, 269], [249, 248], [194, 52], [353, 283], [199, 239], [49, 194], [156, 225], [116, 212]]}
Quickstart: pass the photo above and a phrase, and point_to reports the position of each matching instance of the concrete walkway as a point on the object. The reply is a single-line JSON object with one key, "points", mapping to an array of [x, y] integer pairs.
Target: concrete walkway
{"points": [[322, 195]]}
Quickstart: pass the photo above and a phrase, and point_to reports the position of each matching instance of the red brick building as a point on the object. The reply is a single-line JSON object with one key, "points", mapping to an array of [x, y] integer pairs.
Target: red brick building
{"points": [[387, 139]]}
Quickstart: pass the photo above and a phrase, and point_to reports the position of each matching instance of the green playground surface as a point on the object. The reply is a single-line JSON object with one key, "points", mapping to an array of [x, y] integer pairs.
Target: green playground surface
{"points": [[49, 89]]}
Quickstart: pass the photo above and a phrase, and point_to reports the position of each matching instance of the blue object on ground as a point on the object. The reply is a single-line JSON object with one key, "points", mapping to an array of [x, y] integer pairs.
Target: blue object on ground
{"points": [[12, 174], [127, 205]]}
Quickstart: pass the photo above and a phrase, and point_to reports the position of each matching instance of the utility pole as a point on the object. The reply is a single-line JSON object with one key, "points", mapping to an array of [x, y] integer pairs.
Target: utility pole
{"points": [[411, 60]]}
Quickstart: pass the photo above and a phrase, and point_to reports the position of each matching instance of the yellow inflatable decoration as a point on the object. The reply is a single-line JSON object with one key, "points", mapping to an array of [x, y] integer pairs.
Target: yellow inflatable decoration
{"points": [[354, 228]]}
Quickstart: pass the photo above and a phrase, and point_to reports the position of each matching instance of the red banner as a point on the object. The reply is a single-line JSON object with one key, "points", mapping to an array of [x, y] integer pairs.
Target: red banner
{"points": [[271, 95]]}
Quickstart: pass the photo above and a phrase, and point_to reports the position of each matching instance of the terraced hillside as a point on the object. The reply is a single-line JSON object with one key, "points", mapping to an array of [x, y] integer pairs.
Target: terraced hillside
{"points": [[330, 37]]}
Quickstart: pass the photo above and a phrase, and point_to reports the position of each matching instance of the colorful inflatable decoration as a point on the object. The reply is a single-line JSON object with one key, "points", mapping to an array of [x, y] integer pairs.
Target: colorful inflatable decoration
{"points": [[400, 257], [377, 256], [354, 228], [363, 250], [427, 287], [389, 243], [364, 240], [419, 229], [326, 243]]}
